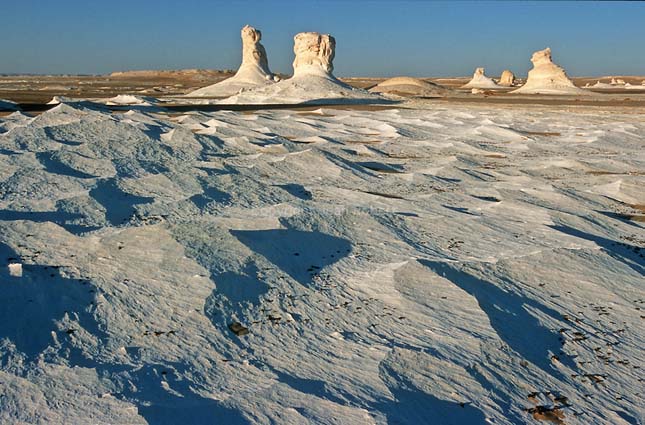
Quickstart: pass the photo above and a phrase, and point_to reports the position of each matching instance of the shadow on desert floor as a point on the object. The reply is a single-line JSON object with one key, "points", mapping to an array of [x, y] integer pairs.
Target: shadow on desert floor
{"points": [[508, 316]]}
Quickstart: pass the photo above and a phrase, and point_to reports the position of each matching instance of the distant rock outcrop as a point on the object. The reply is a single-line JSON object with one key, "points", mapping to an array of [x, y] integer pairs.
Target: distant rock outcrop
{"points": [[547, 78], [635, 86], [409, 86], [480, 81], [253, 72], [313, 81], [507, 79], [600, 85]]}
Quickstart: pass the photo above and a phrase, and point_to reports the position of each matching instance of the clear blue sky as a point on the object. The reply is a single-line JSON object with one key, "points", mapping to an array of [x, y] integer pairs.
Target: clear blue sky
{"points": [[379, 38]]}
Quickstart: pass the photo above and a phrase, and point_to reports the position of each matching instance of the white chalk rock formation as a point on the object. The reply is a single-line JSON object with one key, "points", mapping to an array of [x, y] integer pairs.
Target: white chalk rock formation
{"points": [[253, 72], [313, 81], [410, 87], [629, 86], [128, 99], [57, 100], [507, 79], [547, 78], [600, 85], [314, 54], [480, 81]]}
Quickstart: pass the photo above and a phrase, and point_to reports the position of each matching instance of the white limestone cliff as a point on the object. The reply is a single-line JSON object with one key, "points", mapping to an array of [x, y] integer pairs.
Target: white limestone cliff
{"points": [[547, 78], [253, 72]]}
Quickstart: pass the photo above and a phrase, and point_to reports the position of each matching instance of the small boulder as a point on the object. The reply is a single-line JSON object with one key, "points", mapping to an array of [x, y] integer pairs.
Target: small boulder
{"points": [[238, 329]]}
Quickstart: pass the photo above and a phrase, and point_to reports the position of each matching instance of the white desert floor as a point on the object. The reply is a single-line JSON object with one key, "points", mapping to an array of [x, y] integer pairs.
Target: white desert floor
{"points": [[443, 264]]}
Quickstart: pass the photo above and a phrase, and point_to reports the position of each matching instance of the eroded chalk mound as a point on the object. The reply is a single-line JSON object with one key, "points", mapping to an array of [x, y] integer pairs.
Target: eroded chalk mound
{"points": [[480, 81], [313, 81], [547, 78], [409, 86], [253, 72]]}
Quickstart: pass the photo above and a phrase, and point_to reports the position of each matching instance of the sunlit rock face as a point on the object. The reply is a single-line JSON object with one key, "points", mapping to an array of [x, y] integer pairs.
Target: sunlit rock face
{"points": [[314, 54], [480, 81], [253, 72], [547, 78], [507, 78]]}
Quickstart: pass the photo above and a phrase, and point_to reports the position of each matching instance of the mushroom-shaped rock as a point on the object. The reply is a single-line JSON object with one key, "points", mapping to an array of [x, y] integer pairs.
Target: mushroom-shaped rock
{"points": [[313, 81], [409, 86], [507, 79], [547, 78], [253, 72], [480, 81]]}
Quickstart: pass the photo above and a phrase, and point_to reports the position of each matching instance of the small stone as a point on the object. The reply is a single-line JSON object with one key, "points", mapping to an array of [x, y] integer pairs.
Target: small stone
{"points": [[238, 329], [15, 269]]}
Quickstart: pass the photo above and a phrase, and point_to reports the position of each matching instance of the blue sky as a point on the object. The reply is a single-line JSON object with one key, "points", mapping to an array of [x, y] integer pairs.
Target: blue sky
{"points": [[377, 38]]}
